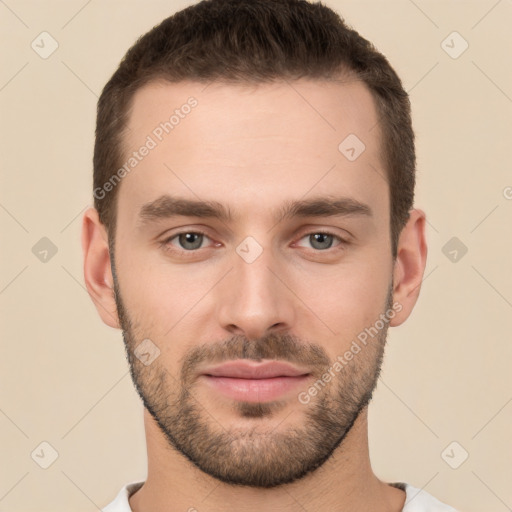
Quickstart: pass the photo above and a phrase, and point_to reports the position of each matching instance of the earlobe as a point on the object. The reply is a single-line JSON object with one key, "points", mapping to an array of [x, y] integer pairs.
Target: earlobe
{"points": [[97, 268], [409, 265]]}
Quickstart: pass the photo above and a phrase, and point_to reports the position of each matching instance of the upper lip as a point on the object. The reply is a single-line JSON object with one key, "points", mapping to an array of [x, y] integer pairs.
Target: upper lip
{"points": [[244, 369]]}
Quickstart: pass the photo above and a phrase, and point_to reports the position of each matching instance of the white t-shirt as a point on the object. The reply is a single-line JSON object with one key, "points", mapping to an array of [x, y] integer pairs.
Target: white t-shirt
{"points": [[416, 500]]}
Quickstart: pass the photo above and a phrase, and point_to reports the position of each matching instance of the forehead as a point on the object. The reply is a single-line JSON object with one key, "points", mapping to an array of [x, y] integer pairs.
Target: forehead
{"points": [[329, 108], [252, 144]]}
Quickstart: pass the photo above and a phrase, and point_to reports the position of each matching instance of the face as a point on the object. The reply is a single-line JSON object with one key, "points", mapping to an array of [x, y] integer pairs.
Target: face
{"points": [[241, 315]]}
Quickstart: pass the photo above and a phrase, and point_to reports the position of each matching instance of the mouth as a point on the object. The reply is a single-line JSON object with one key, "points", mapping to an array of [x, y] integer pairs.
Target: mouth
{"points": [[248, 381]]}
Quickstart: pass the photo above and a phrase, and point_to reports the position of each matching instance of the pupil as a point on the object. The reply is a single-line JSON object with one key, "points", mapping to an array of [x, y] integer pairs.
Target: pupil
{"points": [[190, 238], [321, 239]]}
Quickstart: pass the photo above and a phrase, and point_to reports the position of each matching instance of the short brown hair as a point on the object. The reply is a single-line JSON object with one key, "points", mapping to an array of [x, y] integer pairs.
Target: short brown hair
{"points": [[257, 41]]}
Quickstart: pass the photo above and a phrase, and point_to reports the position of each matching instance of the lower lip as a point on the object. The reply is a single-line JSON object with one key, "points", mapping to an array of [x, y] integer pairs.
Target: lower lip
{"points": [[255, 390]]}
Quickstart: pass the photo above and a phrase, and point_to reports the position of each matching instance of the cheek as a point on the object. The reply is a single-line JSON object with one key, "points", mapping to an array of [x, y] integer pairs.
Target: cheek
{"points": [[143, 287], [348, 299], [162, 298]]}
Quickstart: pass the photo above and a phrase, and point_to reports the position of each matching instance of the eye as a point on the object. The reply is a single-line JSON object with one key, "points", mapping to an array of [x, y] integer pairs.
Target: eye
{"points": [[185, 241], [322, 240]]}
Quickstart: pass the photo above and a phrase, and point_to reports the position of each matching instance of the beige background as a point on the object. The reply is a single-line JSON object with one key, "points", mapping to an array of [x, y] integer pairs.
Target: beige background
{"points": [[64, 379]]}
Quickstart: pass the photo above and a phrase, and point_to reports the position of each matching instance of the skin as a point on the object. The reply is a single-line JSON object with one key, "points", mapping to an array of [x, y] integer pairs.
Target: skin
{"points": [[251, 148]]}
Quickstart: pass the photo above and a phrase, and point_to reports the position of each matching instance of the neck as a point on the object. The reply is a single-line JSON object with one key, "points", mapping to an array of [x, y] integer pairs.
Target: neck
{"points": [[344, 482]]}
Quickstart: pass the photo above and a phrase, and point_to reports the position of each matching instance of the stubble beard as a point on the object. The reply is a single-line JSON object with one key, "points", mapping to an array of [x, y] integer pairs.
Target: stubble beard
{"points": [[257, 456]]}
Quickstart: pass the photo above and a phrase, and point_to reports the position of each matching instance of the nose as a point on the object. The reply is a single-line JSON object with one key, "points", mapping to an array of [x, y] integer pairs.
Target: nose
{"points": [[254, 299]]}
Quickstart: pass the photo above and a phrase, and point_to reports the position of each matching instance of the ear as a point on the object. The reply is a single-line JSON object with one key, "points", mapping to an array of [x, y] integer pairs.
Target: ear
{"points": [[409, 266], [97, 269]]}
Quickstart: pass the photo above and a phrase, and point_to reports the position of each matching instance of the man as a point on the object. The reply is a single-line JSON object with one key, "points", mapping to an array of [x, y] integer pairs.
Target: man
{"points": [[253, 236]]}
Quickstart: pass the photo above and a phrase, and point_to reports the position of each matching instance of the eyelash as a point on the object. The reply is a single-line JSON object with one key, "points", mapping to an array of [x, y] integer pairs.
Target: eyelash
{"points": [[166, 247]]}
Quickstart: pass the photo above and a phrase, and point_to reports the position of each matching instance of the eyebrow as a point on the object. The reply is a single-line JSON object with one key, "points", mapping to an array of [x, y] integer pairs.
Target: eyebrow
{"points": [[166, 207]]}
